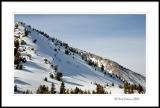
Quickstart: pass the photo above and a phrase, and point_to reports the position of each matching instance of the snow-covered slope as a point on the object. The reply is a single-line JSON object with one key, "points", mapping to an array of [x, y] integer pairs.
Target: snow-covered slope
{"points": [[116, 69], [43, 54]]}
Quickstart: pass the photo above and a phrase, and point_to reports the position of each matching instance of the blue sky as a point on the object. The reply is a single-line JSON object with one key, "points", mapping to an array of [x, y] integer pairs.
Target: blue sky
{"points": [[119, 37]]}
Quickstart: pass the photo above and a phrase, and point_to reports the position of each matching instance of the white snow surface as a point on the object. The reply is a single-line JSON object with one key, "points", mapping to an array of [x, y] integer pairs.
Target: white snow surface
{"points": [[76, 72]]}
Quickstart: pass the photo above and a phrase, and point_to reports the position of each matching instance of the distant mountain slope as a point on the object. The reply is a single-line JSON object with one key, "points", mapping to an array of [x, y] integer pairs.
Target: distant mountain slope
{"points": [[44, 60]]}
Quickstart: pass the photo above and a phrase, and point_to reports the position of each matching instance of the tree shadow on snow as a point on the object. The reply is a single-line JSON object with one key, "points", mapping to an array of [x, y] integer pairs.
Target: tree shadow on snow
{"points": [[32, 64], [17, 81], [28, 70], [72, 83]]}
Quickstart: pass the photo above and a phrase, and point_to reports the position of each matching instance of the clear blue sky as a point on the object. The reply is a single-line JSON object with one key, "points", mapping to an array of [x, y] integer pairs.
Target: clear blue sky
{"points": [[120, 37]]}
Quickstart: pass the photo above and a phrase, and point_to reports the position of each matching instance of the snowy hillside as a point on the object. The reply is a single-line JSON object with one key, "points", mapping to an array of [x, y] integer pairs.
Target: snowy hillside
{"points": [[43, 60]]}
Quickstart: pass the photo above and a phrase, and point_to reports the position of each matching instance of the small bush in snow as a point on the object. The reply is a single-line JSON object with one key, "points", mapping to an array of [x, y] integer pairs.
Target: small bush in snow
{"points": [[120, 86], [51, 76], [55, 49], [66, 52], [35, 40], [19, 66], [32, 49], [23, 42], [24, 60], [112, 84], [45, 60], [58, 76], [45, 79], [29, 56]]}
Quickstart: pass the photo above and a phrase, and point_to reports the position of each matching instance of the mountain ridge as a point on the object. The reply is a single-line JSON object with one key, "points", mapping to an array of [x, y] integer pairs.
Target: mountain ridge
{"points": [[79, 68]]}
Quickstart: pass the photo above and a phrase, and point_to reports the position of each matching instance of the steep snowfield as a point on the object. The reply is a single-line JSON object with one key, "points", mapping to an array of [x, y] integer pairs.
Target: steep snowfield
{"points": [[76, 72]]}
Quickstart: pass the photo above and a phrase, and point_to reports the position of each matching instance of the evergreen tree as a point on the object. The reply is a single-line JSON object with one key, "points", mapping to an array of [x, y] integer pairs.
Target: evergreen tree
{"points": [[100, 89], [52, 88], [45, 79], [59, 76], [35, 40], [76, 90], [26, 32], [66, 52], [120, 86], [15, 88], [27, 92], [67, 91], [131, 89], [85, 92], [140, 89], [102, 68], [56, 68], [125, 87], [23, 42], [71, 91], [93, 92], [42, 89], [51, 76], [112, 84], [19, 66], [16, 43], [88, 92], [62, 88]]}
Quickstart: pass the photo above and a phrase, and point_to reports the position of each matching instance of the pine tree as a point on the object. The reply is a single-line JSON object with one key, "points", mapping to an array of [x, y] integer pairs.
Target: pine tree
{"points": [[100, 89], [59, 76], [62, 88], [126, 86], [71, 91], [102, 68], [76, 90], [66, 52], [88, 92], [19, 66], [45, 79], [85, 92], [23, 42], [42, 89], [140, 89], [15, 88], [16, 43], [93, 92], [120, 86], [131, 89], [27, 92], [52, 88], [112, 84], [35, 40], [51, 76], [67, 91]]}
